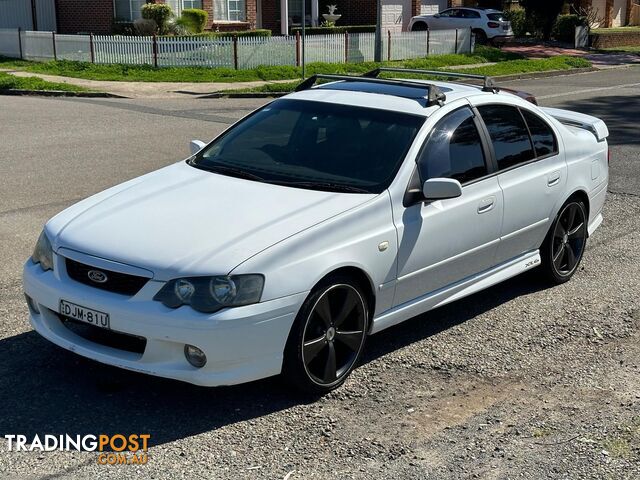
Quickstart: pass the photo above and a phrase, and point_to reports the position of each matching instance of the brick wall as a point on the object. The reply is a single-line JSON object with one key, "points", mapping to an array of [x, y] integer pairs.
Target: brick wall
{"points": [[615, 39], [95, 16]]}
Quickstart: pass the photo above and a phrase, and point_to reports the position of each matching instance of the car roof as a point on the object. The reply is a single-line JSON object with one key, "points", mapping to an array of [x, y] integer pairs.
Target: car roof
{"points": [[387, 97]]}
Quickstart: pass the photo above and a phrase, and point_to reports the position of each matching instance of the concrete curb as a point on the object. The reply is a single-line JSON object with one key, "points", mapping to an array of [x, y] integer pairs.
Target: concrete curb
{"points": [[58, 93], [504, 78]]}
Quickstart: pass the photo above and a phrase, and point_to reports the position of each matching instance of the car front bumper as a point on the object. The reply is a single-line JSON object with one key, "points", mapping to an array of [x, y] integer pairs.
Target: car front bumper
{"points": [[241, 344]]}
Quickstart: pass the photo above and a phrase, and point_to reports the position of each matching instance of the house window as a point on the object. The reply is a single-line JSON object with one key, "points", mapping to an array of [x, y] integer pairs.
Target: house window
{"points": [[229, 10], [128, 10], [178, 5]]}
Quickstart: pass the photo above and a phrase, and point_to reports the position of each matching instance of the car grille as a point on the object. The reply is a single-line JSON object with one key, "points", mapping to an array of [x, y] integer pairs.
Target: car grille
{"points": [[107, 338], [115, 281]]}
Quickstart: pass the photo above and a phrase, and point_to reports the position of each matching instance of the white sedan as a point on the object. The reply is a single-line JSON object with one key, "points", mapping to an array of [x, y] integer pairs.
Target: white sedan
{"points": [[323, 217]]}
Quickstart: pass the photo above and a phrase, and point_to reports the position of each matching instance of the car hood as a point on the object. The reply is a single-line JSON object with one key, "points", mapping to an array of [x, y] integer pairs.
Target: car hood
{"points": [[181, 221]]}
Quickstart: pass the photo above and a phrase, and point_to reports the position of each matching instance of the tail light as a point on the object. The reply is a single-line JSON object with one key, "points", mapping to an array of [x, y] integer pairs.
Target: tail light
{"points": [[493, 25], [609, 156]]}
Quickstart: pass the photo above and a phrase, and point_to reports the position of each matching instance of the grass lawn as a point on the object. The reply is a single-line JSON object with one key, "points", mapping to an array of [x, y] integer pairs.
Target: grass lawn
{"points": [[509, 67], [598, 31], [10, 82], [142, 73]]}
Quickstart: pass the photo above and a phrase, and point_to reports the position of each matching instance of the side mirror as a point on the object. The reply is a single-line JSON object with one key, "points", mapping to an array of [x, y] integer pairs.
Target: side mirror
{"points": [[441, 188], [437, 15], [196, 146]]}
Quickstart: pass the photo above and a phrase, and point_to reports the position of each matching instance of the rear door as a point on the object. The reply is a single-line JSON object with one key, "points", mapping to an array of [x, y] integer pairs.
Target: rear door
{"points": [[444, 241], [531, 173]]}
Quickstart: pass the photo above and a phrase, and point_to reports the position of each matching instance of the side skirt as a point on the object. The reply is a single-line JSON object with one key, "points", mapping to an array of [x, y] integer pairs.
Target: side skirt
{"points": [[455, 291]]}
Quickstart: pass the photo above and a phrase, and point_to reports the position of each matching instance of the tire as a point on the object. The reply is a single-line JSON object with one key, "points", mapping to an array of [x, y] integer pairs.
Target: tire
{"points": [[481, 37], [419, 27], [327, 337], [564, 245]]}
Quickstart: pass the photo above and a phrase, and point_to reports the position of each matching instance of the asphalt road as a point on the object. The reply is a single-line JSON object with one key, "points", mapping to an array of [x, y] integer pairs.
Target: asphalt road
{"points": [[519, 381]]}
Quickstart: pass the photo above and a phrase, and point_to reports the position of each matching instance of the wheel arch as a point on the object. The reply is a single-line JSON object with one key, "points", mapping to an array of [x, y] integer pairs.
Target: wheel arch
{"points": [[419, 26], [579, 194], [362, 279]]}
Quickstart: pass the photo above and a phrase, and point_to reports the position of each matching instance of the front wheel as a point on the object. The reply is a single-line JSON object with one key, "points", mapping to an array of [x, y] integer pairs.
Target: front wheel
{"points": [[327, 337], [564, 245]]}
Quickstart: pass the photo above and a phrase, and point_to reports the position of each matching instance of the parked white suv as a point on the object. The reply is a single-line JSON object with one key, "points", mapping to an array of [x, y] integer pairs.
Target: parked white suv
{"points": [[488, 25], [322, 217]]}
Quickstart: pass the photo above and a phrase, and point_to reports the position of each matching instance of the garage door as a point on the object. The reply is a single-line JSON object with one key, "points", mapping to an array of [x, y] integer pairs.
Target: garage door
{"points": [[431, 7], [396, 15]]}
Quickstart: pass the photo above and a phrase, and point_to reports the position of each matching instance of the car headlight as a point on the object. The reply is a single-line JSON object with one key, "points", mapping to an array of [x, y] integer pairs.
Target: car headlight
{"points": [[210, 294], [43, 253]]}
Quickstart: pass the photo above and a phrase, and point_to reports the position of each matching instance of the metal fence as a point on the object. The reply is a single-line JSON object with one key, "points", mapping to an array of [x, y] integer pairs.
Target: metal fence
{"points": [[237, 52]]}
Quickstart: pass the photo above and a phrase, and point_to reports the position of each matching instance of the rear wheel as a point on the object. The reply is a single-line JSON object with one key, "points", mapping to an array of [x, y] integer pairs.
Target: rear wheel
{"points": [[564, 246], [328, 336], [481, 37]]}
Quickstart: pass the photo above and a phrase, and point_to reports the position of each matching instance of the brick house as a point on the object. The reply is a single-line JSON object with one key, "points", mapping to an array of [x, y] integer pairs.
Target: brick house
{"points": [[98, 16], [611, 13]]}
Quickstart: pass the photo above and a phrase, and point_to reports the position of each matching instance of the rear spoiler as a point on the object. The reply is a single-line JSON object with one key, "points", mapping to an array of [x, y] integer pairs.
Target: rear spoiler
{"points": [[580, 120]]}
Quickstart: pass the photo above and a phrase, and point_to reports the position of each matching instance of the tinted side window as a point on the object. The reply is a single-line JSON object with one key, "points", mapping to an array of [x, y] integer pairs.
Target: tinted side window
{"points": [[509, 135], [544, 141], [470, 14], [453, 150]]}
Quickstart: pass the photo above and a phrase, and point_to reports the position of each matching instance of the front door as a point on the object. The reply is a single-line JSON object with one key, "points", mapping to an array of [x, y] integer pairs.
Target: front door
{"points": [[444, 241]]}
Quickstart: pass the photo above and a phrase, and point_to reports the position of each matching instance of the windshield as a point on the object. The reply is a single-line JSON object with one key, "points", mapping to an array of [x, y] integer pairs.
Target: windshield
{"points": [[316, 145]]}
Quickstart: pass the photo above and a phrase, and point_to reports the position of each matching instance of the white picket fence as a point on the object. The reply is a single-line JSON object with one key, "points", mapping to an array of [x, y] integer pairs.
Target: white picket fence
{"points": [[239, 53]]}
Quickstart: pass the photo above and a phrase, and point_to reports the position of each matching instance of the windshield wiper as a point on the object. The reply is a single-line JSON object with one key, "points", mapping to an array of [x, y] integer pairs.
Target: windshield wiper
{"points": [[334, 187], [234, 172]]}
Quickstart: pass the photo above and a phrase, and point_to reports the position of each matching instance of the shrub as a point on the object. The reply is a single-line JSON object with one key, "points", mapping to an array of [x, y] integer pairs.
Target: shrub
{"points": [[335, 29], [519, 22], [145, 27], [244, 33], [565, 27], [194, 19], [159, 13]]}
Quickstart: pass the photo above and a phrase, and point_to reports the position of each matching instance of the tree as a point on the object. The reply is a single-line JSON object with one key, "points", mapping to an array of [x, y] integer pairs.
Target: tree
{"points": [[543, 13]]}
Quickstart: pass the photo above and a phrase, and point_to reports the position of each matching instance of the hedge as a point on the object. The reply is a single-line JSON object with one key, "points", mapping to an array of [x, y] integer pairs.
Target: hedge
{"points": [[195, 19], [564, 29], [159, 13], [259, 32], [340, 29]]}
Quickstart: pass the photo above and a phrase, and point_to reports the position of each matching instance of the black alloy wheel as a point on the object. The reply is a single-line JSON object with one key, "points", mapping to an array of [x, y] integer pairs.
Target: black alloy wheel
{"points": [[565, 243], [327, 338]]}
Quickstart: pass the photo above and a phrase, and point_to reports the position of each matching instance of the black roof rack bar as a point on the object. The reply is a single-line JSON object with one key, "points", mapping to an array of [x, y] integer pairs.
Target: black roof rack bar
{"points": [[488, 82], [434, 96]]}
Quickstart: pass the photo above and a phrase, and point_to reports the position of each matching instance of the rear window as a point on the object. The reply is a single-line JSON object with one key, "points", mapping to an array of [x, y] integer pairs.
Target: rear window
{"points": [[509, 135], [544, 141], [497, 17]]}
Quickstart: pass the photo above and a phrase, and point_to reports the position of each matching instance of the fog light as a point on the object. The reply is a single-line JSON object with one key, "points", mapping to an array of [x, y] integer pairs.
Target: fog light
{"points": [[195, 356], [32, 305]]}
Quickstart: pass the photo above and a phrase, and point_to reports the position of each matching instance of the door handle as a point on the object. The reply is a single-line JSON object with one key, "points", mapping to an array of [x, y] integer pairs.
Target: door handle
{"points": [[486, 205], [553, 179]]}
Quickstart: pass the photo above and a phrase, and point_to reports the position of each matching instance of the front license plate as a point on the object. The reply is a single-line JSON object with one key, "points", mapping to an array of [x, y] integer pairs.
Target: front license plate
{"points": [[84, 314]]}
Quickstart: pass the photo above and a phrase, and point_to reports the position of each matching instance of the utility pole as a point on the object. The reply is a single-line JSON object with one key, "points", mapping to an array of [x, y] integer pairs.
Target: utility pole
{"points": [[377, 52], [304, 24]]}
